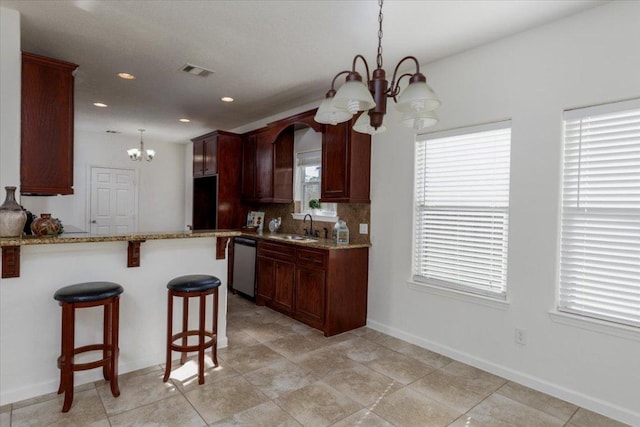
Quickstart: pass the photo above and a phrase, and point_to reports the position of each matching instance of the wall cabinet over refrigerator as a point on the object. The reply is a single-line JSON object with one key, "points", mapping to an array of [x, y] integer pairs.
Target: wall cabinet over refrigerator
{"points": [[205, 155], [46, 153], [217, 166]]}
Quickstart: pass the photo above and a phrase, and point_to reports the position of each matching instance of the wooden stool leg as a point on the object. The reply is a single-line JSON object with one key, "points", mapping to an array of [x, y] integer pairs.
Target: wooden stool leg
{"points": [[106, 339], [214, 347], [201, 330], [113, 341], [68, 327], [167, 369], [61, 358], [185, 328]]}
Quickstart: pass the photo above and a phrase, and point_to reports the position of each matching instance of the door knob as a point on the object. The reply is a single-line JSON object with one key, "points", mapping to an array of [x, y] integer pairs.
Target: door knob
{"points": [[94, 222]]}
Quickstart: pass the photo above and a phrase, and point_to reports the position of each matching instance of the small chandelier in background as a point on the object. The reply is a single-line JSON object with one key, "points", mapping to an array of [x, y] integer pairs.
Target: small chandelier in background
{"points": [[140, 153], [416, 103]]}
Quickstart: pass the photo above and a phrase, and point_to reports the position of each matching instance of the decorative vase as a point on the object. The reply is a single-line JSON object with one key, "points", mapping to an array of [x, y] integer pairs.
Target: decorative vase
{"points": [[46, 226], [27, 225], [12, 216]]}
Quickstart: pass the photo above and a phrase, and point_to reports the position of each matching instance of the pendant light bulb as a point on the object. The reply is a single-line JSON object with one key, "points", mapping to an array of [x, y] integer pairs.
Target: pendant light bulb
{"points": [[419, 121]]}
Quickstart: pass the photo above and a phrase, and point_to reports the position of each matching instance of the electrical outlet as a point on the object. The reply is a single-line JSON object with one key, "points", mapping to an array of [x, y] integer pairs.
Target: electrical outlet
{"points": [[364, 228], [520, 337]]}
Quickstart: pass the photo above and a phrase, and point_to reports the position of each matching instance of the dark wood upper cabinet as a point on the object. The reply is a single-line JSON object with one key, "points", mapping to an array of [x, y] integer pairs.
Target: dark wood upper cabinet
{"points": [[283, 167], [257, 166], [217, 181], [205, 155], [346, 164], [264, 167], [249, 149], [267, 159], [46, 155]]}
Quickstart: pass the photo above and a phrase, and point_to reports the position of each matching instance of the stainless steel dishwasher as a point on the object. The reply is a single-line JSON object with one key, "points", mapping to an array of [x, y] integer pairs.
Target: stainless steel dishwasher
{"points": [[244, 266]]}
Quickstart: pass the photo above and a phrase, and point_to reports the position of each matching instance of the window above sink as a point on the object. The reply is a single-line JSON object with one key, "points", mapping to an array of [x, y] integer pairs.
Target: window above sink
{"points": [[307, 178]]}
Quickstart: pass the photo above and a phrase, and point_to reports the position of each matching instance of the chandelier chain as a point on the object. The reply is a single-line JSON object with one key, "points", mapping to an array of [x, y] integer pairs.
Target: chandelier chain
{"points": [[379, 57]]}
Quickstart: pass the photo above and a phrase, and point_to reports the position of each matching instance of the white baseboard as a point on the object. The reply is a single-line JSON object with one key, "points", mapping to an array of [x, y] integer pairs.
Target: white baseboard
{"points": [[608, 409]]}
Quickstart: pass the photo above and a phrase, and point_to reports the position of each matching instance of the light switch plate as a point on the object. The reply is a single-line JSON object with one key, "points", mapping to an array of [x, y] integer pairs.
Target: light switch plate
{"points": [[364, 228]]}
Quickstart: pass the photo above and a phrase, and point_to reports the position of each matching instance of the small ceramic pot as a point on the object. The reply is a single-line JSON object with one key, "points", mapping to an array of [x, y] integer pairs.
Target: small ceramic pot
{"points": [[46, 226]]}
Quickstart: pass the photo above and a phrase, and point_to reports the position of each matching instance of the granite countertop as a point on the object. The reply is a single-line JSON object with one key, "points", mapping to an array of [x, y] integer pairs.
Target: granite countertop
{"points": [[87, 237], [318, 243]]}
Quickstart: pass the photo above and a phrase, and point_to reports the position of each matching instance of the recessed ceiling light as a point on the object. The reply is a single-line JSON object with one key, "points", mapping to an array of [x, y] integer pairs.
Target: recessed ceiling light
{"points": [[226, 99], [126, 76], [100, 104], [185, 120]]}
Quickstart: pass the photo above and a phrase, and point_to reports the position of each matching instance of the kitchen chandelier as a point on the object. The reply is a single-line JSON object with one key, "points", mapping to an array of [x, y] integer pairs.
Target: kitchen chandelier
{"points": [[140, 153], [417, 102]]}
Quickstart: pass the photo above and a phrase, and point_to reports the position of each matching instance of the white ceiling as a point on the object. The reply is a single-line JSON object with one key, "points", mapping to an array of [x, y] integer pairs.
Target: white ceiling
{"points": [[269, 55]]}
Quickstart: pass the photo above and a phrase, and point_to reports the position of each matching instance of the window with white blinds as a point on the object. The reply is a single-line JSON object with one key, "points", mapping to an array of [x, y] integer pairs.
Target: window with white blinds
{"points": [[600, 232], [462, 209]]}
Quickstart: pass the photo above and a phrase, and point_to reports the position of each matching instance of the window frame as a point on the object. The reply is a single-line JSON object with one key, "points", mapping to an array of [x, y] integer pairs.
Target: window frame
{"points": [[567, 307], [418, 280]]}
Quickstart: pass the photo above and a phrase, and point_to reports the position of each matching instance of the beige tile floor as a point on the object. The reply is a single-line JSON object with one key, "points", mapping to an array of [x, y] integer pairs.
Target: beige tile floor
{"points": [[277, 371]]}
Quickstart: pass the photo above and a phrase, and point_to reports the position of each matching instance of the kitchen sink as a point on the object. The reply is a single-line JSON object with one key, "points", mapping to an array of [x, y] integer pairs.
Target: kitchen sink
{"points": [[294, 238]]}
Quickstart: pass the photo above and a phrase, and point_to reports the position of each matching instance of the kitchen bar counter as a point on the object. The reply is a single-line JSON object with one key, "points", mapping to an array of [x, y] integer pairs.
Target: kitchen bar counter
{"points": [[11, 245], [87, 237]]}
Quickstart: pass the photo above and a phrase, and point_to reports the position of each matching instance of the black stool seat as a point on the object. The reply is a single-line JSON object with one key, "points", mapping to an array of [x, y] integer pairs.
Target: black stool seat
{"points": [[193, 283], [89, 291]]}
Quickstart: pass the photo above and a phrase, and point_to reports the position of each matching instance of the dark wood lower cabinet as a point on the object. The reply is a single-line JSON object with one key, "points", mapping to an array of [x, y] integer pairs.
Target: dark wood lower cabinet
{"points": [[266, 281], [310, 296], [276, 270], [283, 292], [323, 288]]}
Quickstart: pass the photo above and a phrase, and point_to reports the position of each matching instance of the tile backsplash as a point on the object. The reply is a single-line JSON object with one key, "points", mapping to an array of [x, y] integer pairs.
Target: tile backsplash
{"points": [[353, 214]]}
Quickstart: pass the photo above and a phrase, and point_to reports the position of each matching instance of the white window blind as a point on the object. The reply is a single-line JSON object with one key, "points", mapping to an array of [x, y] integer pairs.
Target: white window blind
{"points": [[600, 237], [462, 209]]}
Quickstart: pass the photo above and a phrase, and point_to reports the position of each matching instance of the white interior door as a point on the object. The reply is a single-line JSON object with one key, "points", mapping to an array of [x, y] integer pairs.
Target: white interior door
{"points": [[113, 209]]}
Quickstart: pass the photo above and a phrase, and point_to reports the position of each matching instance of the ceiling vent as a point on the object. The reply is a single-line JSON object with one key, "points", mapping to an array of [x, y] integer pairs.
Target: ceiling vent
{"points": [[196, 70]]}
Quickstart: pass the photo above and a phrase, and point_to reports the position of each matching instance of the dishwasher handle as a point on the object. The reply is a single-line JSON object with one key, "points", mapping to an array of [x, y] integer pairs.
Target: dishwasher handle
{"points": [[244, 241]]}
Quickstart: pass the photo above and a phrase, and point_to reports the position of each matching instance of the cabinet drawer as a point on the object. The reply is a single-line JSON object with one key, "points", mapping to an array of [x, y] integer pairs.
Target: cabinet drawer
{"points": [[276, 251], [311, 258]]}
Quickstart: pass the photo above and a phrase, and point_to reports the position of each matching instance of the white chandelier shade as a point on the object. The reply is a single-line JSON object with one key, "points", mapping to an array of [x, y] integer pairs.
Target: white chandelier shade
{"points": [[331, 115], [417, 97], [353, 96]]}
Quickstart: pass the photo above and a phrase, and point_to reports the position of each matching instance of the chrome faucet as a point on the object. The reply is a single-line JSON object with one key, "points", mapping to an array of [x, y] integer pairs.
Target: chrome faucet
{"points": [[304, 221]]}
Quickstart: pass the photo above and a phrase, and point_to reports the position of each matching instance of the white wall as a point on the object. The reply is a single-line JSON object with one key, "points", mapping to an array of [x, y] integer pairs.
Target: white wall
{"points": [[10, 99], [161, 183], [531, 78]]}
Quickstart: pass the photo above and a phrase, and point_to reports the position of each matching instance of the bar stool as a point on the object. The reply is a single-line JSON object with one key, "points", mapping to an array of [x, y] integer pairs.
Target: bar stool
{"points": [[84, 295], [192, 286]]}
